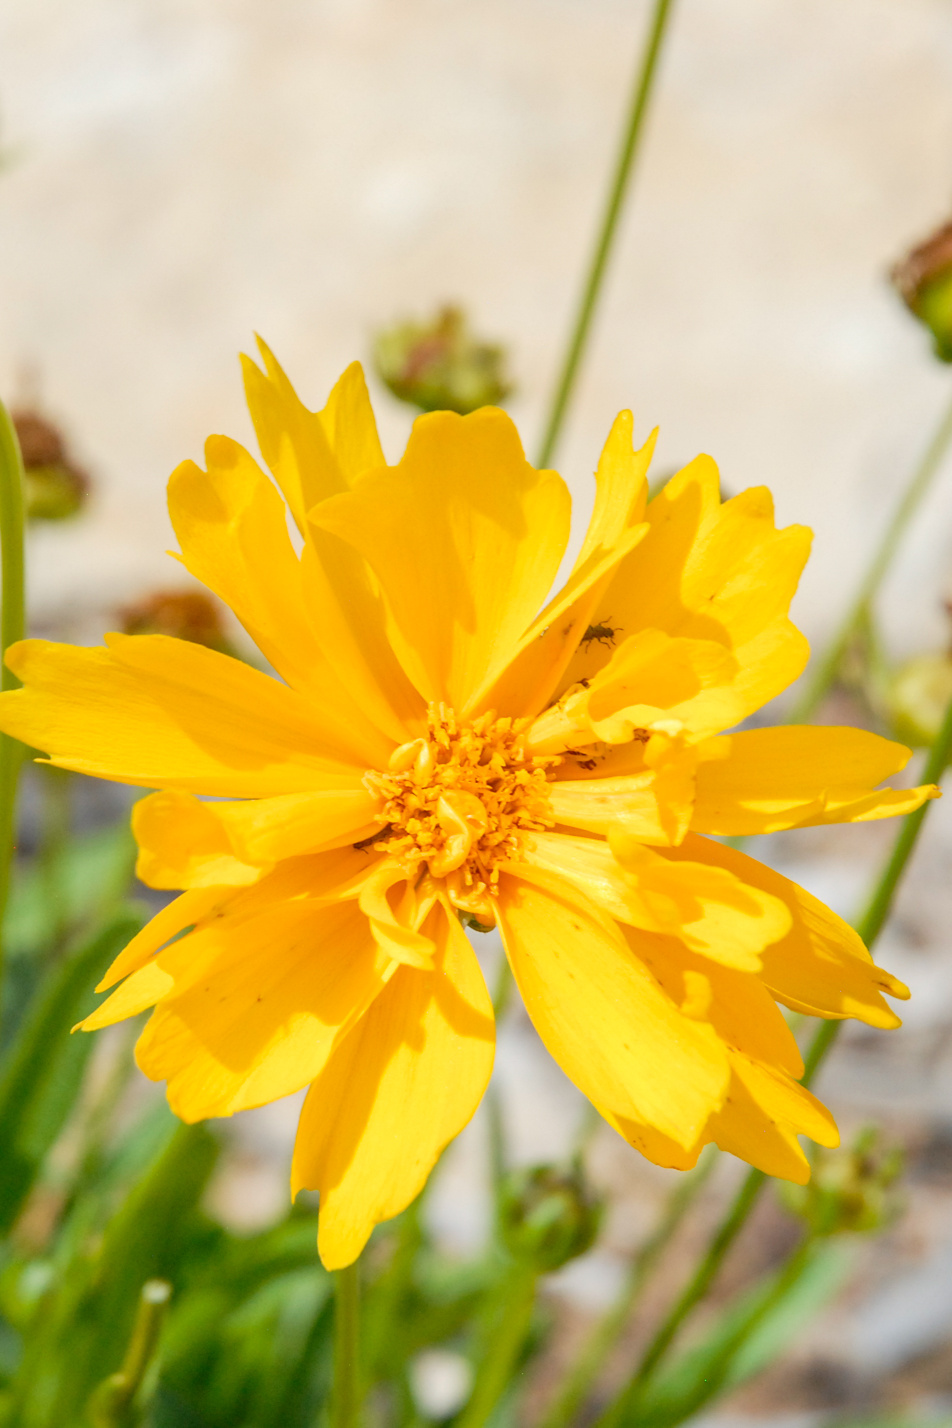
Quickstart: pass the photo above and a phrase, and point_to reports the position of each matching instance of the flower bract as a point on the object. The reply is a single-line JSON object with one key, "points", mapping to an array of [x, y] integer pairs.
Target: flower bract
{"points": [[447, 742]]}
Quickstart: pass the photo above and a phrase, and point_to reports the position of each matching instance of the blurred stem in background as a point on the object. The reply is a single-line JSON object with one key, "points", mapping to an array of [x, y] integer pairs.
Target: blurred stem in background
{"points": [[345, 1405], [634, 126], [113, 1402], [12, 627], [829, 667], [586, 1368], [868, 925], [56, 822]]}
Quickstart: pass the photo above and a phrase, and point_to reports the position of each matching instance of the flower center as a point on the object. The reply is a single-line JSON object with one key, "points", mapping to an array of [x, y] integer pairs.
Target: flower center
{"points": [[460, 800]]}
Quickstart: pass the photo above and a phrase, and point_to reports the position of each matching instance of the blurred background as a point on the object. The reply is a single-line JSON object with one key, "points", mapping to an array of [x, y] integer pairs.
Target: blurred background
{"points": [[178, 174]]}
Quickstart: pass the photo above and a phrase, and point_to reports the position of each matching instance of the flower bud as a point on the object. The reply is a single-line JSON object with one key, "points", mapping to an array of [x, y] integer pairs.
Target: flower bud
{"points": [[924, 281], [851, 1191], [54, 487], [185, 614], [548, 1216], [440, 366], [918, 695]]}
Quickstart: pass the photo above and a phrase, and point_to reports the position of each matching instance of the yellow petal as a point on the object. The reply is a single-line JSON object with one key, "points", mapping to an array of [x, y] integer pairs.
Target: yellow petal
{"points": [[651, 681], [717, 572], [167, 923], [312, 454], [736, 1003], [401, 1085], [602, 1015], [348, 613], [266, 829], [465, 538], [762, 780], [395, 913], [654, 805], [350, 427], [659, 1149], [762, 1116], [232, 527], [617, 526], [258, 1005], [821, 967], [707, 908], [164, 713], [182, 844], [140, 990]]}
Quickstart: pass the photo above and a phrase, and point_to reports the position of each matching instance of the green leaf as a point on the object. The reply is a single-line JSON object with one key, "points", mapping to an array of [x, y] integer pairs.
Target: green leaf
{"points": [[752, 1331], [95, 872], [42, 1071]]}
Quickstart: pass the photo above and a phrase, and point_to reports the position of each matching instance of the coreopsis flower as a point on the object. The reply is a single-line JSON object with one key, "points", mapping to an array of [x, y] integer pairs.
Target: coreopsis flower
{"points": [[444, 743]]}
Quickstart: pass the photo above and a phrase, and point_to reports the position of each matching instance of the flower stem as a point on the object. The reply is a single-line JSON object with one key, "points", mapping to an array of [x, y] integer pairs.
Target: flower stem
{"points": [[828, 667], [12, 623], [868, 925], [873, 918], [504, 1338], [345, 1408], [587, 1366], [111, 1403], [634, 124]]}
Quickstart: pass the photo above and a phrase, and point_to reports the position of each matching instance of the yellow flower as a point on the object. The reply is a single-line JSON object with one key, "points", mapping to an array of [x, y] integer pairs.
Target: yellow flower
{"points": [[444, 745]]}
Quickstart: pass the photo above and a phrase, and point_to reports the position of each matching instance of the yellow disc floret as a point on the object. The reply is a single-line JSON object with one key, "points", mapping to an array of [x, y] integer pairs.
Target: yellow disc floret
{"points": [[460, 799]]}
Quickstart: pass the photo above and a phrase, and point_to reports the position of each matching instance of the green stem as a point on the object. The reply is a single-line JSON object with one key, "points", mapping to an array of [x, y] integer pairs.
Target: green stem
{"points": [[634, 125], [585, 1370], [504, 1339], [873, 917], [828, 667], [111, 1402], [868, 925], [12, 626], [718, 1373], [54, 840], [345, 1407]]}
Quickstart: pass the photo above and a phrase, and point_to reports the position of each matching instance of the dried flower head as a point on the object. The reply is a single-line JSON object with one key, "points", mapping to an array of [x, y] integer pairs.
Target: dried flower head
{"points": [[440, 365]]}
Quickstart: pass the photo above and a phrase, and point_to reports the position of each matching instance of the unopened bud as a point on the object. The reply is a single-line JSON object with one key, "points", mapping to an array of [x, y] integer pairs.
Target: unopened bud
{"points": [[440, 366], [924, 281], [852, 1190], [54, 486], [548, 1216], [918, 695], [185, 614]]}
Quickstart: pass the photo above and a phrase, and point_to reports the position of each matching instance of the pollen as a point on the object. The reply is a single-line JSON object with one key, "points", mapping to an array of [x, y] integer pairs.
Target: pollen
{"points": [[460, 800]]}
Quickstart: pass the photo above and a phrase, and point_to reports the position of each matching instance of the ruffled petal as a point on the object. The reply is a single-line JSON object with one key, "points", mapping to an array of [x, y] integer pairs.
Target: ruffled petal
{"points": [[396, 910], [257, 1005], [312, 454], [465, 538], [651, 682], [601, 1014], [654, 805], [711, 571], [183, 844], [821, 967], [762, 780], [710, 910], [400, 1086], [762, 1116], [167, 923], [164, 713], [232, 526], [617, 526]]}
